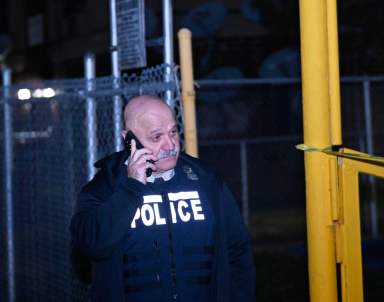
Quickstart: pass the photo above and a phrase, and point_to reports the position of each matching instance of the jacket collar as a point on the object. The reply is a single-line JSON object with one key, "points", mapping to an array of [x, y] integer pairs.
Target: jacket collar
{"points": [[113, 164]]}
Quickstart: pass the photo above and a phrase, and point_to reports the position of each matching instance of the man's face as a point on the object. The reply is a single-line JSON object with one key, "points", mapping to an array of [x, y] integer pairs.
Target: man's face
{"points": [[156, 129]]}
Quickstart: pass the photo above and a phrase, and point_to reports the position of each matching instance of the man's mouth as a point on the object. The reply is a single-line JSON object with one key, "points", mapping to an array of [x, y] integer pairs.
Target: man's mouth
{"points": [[163, 155]]}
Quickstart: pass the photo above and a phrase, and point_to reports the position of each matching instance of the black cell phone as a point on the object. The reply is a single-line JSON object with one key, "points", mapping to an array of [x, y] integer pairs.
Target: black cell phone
{"points": [[127, 144]]}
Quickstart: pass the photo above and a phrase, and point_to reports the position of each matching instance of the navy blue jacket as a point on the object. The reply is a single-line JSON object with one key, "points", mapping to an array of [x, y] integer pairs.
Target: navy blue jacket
{"points": [[103, 216]]}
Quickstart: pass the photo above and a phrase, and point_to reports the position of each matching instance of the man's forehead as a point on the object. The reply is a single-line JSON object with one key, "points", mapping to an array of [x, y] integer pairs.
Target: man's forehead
{"points": [[154, 119], [144, 110]]}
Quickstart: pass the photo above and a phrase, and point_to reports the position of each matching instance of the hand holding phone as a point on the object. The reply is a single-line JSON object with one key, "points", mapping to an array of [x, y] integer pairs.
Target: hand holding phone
{"points": [[137, 157], [128, 139]]}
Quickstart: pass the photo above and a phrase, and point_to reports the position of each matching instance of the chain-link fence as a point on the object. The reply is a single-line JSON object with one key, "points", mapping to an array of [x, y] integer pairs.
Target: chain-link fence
{"points": [[3, 211], [254, 125], [247, 131], [50, 143]]}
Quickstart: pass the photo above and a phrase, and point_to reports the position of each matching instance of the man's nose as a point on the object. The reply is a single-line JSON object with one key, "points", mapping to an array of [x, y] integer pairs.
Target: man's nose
{"points": [[168, 143]]}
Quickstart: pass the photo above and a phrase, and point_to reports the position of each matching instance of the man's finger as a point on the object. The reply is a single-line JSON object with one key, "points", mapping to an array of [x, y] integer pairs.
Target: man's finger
{"points": [[148, 157], [151, 166], [139, 153], [133, 147]]}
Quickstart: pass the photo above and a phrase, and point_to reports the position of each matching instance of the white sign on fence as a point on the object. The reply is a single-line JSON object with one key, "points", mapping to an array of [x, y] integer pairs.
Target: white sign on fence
{"points": [[131, 33]]}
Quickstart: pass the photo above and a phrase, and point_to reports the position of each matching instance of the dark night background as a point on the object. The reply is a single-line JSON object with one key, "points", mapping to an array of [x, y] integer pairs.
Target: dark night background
{"points": [[43, 39], [239, 37]]}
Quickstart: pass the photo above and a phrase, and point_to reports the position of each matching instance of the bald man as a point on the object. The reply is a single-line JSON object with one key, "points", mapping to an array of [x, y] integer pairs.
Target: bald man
{"points": [[174, 235], [153, 122]]}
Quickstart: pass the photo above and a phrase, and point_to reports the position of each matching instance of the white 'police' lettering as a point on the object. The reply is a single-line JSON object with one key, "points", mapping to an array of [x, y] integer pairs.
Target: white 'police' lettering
{"points": [[137, 216], [184, 216], [173, 212], [159, 220], [147, 215], [184, 207], [197, 210], [152, 198], [183, 195]]}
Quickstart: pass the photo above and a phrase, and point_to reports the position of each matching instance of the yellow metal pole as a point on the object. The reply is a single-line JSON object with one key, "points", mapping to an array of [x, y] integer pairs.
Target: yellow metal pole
{"points": [[188, 92], [351, 265], [317, 132], [334, 74]]}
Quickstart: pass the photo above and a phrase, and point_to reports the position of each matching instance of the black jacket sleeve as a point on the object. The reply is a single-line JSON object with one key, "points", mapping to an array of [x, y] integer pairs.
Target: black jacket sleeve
{"points": [[104, 214], [242, 274]]}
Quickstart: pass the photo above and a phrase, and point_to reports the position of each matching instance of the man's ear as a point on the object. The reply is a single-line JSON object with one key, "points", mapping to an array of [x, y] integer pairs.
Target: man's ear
{"points": [[124, 133]]}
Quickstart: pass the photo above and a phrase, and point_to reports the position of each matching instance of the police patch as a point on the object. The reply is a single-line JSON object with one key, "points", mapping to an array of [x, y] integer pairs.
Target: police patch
{"points": [[184, 207]]}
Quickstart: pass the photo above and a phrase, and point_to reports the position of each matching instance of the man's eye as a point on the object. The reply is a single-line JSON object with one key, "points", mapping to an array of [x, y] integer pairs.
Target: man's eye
{"points": [[174, 132], [156, 138]]}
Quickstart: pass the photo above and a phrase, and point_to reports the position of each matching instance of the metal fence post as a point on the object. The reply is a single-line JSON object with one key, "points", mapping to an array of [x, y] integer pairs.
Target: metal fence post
{"points": [[244, 180], [168, 48], [370, 150], [117, 105], [317, 132], [188, 92], [334, 73], [89, 67], [8, 190]]}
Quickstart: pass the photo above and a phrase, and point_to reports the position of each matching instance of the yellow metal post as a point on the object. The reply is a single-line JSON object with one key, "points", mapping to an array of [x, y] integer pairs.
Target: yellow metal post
{"points": [[334, 74], [317, 132], [350, 238], [188, 92]]}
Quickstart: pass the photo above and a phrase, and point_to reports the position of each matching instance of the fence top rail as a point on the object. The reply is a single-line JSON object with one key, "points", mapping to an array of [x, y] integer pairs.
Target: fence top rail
{"points": [[280, 81], [108, 81], [266, 139], [258, 140]]}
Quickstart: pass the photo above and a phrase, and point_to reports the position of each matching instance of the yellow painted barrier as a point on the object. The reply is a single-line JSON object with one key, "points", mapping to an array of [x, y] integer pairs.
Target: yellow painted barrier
{"points": [[317, 130], [332, 175], [334, 74], [347, 165], [188, 92]]}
